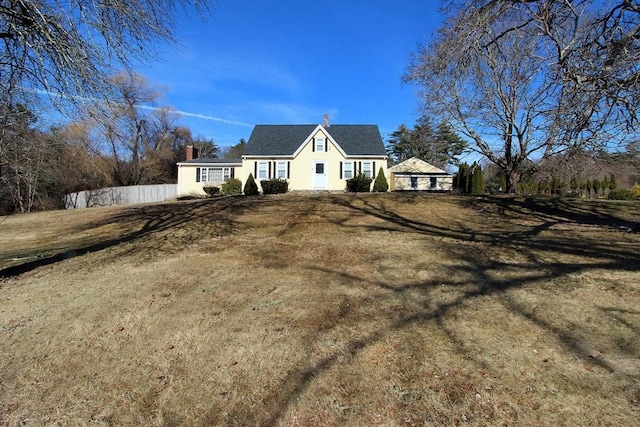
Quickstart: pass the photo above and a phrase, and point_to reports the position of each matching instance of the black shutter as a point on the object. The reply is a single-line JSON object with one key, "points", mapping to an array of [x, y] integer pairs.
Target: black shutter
{"points": [[326, 145], [275, 170], [233, 173], [373, 170], [340, 170], [288, 170], [255, 170], [313, 145], [359, 168], [269, 171], [197, 174]]}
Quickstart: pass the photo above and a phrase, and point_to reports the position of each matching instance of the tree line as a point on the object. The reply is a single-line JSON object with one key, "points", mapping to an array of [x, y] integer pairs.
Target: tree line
{"points": [[77, 55], [126, 140]]}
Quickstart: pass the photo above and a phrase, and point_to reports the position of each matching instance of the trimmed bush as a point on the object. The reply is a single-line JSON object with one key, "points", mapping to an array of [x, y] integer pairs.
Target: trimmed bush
{"points": [[250, 187], [232, 187], [359, 184], [211, 190], [380, 185], [274, 186]]}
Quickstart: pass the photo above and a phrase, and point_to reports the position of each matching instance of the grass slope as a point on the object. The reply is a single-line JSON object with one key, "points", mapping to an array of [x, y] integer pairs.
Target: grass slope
{"points": [[369, 309]]}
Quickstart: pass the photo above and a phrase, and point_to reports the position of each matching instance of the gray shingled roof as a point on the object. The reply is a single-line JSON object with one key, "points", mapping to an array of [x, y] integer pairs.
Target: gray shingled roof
{"points": [[284, 140], [213, 161]]}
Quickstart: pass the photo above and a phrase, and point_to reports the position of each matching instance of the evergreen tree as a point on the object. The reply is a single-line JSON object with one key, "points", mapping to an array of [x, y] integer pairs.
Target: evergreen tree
{"points": [[459, 178], [596, 187], [464, 179], [477, 180], [250, 187], [612, 182], [574, 184], [380, 184], [605, 186], [439, 147], [467, 179]]}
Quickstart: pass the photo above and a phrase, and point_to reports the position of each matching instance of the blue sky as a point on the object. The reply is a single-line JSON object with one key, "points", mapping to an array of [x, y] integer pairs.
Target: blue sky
{"points": [[289, 62]]}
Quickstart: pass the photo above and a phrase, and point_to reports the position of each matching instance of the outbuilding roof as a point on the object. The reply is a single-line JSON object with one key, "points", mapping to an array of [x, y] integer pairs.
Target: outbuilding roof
{"points": [[284, 140]]}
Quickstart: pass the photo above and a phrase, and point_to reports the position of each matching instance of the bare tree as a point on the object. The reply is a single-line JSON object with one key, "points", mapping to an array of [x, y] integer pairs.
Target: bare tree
{"points": [[524, 79], [142, 138], [66, 47], [27, 161]]}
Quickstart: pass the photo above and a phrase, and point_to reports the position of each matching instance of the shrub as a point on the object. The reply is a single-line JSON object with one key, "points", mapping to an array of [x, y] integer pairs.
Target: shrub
{"points": [[211, 190], [380, 184], [274, 186], [622, 194], [232, 187], [359, 184], [250, 187]]}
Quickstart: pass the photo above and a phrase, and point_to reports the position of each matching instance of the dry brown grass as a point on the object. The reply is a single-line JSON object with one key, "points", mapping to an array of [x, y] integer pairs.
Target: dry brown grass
{"points": [[299, 310]]}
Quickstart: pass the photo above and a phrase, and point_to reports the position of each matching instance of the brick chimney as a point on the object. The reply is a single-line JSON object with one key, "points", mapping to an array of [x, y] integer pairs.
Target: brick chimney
{"points": [[325, 121], [189, 152]]}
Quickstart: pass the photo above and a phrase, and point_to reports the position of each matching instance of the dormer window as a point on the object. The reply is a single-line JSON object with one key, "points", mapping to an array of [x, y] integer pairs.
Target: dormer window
{"points": [[320, 144]]}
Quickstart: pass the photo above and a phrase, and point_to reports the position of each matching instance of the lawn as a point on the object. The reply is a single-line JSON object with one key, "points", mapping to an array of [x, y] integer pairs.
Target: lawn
{"points": [[323, 309]]}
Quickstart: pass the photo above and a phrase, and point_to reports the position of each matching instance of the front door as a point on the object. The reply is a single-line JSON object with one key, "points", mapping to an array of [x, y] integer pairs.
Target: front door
{"points": [[319, 175]]}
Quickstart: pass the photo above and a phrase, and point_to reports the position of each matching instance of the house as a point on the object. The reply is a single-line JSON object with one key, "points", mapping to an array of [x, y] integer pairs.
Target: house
{"points": [[195, 173], [309, 157], [417, 175]]}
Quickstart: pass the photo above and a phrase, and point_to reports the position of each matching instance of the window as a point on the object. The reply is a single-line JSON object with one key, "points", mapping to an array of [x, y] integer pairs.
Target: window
{"points": [[319, 168], [366, 169], [214, 175], [347, 170], [433, 182], [263, 170], [282, 170], [320, 144], [414, 182]]}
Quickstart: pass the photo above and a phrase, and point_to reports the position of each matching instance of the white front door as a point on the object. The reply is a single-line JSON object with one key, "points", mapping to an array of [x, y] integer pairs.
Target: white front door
{"points": [[319, 175]]}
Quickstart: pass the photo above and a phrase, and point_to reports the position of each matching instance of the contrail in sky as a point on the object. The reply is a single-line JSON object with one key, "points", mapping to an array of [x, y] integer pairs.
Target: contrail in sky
{"points": [[147, 107], [199, 116]]}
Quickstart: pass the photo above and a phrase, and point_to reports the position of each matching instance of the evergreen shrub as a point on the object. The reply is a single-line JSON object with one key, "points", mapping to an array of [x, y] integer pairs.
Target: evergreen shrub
{"points": [[250, 187], [622, 194], [232, 187], [381, 185], [274, 186], [359, 184], [211, 190]]}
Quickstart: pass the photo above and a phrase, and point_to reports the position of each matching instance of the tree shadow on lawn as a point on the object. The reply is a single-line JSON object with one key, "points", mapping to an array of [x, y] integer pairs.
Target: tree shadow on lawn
{"points": [[162, 228], [483, 278]]}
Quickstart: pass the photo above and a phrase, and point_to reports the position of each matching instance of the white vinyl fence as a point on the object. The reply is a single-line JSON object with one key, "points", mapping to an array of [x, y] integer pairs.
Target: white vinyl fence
{"points": [[120, 196]]}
